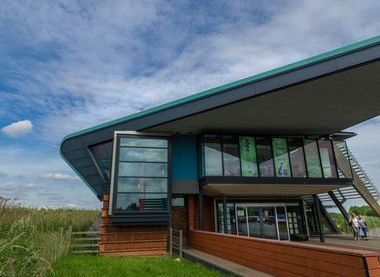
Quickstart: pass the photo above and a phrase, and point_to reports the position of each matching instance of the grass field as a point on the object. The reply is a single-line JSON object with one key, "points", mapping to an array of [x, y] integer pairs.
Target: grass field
{"points": [[128, 266]]}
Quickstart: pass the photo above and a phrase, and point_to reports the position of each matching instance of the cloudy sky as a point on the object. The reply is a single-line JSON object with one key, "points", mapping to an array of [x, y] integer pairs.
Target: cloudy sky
{"points": [[67, 65]]}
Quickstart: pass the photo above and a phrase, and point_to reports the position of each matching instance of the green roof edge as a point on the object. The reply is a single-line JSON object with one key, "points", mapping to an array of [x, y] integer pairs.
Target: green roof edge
{"points": [[292, 66]]}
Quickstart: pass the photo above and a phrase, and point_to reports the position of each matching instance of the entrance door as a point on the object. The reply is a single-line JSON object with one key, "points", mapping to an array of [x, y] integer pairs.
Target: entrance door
{"points": [[261, 221]]}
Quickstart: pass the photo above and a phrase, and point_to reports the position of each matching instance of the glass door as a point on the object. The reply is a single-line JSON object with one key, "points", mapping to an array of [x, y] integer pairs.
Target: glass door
{"points": [[241, 220], [254, 221], [269, 223]]}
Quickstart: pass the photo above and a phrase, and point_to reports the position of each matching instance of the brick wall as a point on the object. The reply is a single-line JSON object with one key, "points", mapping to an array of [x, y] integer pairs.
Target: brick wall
{"points": [[283, 258], [130, 240]]}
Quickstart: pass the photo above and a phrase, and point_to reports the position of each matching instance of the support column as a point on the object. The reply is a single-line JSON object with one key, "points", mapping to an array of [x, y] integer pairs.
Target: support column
{"points": [[319, 220], [340, 206], [200, 209], [225, 214]]}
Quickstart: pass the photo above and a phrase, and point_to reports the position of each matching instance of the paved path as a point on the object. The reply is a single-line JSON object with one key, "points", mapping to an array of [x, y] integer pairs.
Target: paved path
{"points": [[348, 242], [223, 264]]}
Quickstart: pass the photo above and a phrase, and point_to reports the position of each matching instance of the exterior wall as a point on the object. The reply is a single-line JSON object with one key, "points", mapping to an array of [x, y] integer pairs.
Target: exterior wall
{"points": [[118, 240], [282, 258], [193, 213]]}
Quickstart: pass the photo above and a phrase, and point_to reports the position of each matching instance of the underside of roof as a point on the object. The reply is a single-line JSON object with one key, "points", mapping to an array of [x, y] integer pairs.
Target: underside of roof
{"points": [[319, 95]]}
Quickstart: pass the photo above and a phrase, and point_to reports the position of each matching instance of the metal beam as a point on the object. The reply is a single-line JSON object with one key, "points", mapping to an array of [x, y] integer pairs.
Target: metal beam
{"points": [[225, 214], [339, 206], [319, 220]]}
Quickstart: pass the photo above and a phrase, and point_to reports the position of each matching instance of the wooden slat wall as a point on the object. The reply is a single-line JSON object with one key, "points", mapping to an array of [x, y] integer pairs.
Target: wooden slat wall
{"points": [[130, 240], [193, 212], [282, 258]]}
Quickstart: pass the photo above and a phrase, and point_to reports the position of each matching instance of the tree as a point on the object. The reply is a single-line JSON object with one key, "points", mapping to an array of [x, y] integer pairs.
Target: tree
{"points": [[363, 210]]}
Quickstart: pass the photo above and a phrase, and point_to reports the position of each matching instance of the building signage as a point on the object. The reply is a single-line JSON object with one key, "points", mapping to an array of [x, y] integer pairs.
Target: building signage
{"points": [[312, 159], [281, 157], [248, 156]]}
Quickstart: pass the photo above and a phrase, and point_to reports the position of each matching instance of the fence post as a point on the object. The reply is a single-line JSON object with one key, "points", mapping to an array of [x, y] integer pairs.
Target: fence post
{"points": [[171, 242], [180, 243], [68, 238]]}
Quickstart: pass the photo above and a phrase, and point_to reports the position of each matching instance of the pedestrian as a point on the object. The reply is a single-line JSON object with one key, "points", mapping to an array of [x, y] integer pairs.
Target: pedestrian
{"points": [[363, 227], [354, 222]]}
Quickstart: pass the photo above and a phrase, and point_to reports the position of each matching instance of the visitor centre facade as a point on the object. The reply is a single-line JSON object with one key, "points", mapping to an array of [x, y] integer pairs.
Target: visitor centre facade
{"points": [[253, 158]]}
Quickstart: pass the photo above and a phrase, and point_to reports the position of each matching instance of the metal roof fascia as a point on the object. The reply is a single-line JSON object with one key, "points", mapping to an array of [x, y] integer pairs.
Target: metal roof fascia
{"points": [[271, 73]]}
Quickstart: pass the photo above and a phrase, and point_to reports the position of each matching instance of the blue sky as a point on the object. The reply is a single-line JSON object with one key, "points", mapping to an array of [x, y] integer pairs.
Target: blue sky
{"points": [[67, 65]]}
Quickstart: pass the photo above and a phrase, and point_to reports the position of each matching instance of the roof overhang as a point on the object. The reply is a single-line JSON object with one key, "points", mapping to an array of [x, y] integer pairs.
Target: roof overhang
{"points": [[319, 95]]}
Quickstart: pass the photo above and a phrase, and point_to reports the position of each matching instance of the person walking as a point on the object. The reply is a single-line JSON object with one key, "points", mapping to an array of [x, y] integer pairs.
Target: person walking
{"points": [[354, 222], [363, 227]]}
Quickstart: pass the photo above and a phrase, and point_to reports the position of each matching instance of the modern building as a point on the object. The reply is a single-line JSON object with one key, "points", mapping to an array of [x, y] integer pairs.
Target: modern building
{"points": [[258, 157]]}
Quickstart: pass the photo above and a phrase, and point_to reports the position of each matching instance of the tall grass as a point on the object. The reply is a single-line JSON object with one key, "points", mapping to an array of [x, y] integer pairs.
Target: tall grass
{"points": [[31, 240]]}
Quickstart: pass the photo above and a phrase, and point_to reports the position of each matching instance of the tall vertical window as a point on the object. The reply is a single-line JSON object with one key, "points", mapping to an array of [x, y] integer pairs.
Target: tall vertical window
{"points": [[213, 156], [313, 163], [342, 159], [248, 156], [327, 159], [297, 157], [281, 157], [231, 157], [142, 174], [264, 157], [103, 155]]}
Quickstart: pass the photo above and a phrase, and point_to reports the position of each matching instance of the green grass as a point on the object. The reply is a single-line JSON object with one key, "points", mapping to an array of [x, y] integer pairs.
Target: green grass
{"points": [[128, 266]]}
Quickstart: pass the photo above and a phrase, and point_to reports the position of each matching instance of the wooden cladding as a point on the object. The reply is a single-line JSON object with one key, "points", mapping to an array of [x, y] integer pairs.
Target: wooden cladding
{"points": [[118, 240], [282, 258]]}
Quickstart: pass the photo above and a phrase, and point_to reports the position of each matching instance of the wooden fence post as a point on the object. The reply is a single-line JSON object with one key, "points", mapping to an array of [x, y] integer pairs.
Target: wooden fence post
{"points": [[171, 242], [180, 244]]}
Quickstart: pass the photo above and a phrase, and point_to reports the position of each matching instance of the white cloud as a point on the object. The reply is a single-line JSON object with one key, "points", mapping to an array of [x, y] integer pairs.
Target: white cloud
{"points": [[59, 177], [18, 128]]}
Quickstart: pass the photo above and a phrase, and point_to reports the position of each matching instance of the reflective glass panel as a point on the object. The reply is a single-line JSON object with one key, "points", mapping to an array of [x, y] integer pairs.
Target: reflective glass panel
{"points": [[282, 224], [248, 156], [313, 163], [213, 156], [143, 154], [297, 158], [143, 142], [264, 157], [281, 158], [137, 202], [103, 156], [342, 159], [142, 185], [143, 169], [327, 159], [231, 157]]}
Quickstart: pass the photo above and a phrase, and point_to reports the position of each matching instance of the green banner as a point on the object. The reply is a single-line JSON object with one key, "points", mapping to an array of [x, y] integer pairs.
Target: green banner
{"points": [[281, 157], [313, 163], [248, 156]]}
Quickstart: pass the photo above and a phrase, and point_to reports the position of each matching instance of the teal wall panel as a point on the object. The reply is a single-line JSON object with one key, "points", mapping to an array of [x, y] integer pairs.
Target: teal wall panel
{"points": [[184, 158]]}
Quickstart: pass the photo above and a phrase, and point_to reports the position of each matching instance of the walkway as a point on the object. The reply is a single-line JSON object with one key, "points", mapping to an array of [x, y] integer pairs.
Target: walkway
{"points": [[346, 241], [222, 265]]}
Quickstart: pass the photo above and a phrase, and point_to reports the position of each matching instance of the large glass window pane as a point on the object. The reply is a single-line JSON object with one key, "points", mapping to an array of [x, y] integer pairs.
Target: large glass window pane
{"points": [[248, 156], [213, 156], [342, 159], [142, 185], [281, 158], [297, 157], [133, 202], [282, 224], [231, 157], [327, 159], [313, 163], [264, 157], [143, 169], [143, 154], [103, 156], [143, 142]]}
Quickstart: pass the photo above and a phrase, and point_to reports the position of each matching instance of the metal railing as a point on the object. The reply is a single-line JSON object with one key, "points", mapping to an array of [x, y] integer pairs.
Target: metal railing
{"points": [[176, 242]]}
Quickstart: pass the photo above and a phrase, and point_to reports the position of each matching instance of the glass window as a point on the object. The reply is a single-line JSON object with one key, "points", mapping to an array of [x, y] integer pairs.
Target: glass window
{"points": [[213, 156], [297, 157], [138, 202], [142, 185], [178, 202], [327, 159], [313, 162], [342, 159], [248, 156], [143, 142], [231, 157], [103, 156], [143, 154], [281, 157], [264, 157], [143, 169], [142, 182]]}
